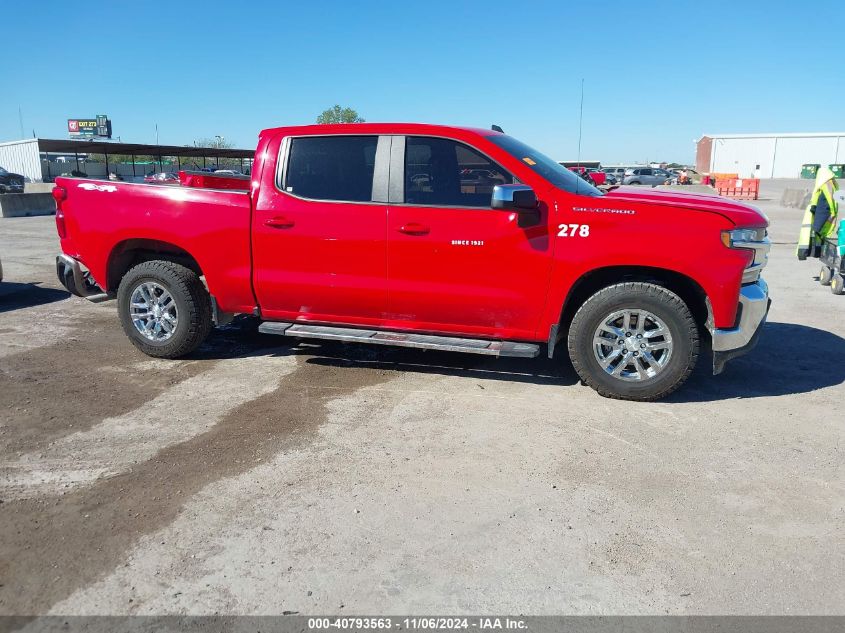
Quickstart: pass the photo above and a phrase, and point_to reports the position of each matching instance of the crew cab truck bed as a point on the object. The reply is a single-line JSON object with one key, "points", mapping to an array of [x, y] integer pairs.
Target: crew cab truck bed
{"points": [[432, 237]]}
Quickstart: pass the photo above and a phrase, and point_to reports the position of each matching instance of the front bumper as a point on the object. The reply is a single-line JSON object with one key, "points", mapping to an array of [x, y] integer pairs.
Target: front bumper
{"points": [[77, 281], [728, 343]]}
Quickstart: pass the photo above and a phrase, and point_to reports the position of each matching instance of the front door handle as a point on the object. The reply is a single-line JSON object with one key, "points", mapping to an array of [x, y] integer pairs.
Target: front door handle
{"points": [[414, 228], [279, 222]]}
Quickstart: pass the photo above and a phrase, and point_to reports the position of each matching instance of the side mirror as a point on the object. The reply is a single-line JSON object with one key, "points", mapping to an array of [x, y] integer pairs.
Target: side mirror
{"points": [[518, 198], [514, 198]]}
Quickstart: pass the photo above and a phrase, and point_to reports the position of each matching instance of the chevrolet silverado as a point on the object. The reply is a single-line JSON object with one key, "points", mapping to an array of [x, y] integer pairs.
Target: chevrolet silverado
{"points": [[431, 237]]}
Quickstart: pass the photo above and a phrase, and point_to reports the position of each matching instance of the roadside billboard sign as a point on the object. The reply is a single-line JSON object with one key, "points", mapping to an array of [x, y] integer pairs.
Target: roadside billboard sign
{"points": [[99, 126]]}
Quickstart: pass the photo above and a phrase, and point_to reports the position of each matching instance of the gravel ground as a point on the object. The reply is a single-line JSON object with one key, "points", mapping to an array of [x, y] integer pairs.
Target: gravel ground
{"points": [[262, 475]]}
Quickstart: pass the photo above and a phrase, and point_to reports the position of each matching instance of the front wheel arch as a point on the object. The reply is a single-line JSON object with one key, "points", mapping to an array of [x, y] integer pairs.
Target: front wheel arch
{"points": [[617, 352], [589, 283]]}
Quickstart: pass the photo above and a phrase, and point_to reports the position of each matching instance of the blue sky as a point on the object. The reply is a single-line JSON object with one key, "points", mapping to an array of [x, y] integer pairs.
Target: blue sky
{"points": [[658, 74]]}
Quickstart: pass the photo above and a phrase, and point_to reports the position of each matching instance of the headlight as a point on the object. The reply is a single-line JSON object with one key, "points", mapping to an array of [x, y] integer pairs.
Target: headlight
{"points": [[740, 238], [756, 243]]}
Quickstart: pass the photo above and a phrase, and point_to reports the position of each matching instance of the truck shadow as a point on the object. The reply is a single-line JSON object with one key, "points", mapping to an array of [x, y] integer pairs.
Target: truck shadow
{"points": [[537, 371], [241, 338], [789, 359], [14, 296]]}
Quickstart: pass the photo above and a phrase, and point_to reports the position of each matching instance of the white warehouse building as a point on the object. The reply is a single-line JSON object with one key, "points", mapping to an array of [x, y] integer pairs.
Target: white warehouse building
{"points": [[768, 155]]}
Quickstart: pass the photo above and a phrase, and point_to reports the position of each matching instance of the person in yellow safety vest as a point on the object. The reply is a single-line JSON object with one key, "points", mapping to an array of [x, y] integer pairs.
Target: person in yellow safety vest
{"points": [[820, 216]]}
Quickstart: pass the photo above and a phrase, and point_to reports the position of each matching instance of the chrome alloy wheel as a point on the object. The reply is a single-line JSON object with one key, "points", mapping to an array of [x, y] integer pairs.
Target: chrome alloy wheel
{"points": [[632, 345], [153, 311]]}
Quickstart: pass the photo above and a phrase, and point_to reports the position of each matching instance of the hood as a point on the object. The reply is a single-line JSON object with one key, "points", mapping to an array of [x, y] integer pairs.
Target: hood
{"points": [[740, 213]]}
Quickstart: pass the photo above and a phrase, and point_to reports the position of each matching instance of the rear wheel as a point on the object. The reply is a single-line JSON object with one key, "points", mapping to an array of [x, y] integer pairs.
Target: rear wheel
{"points": [[837, 284], [164, 309], [634, 341]]}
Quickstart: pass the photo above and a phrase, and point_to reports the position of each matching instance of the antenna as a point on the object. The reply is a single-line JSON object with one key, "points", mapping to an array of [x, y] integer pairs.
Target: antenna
{"points": [[580, 126]]}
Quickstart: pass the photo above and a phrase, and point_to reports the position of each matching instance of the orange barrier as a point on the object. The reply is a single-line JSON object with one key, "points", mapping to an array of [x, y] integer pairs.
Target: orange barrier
{"points": [[720, 176], [739, 188]]}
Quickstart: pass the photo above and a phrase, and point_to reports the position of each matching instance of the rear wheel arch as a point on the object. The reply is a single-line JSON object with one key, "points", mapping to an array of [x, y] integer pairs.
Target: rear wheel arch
{"points": [[164, 308], [129, 253]]}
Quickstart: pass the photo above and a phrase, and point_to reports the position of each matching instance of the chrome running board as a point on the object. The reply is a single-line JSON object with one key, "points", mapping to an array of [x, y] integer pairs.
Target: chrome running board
{"points": [[402, 339]]}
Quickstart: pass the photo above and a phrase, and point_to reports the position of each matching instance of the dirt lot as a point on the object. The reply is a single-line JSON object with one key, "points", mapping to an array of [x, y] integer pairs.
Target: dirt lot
{"points": [[262, 475]]}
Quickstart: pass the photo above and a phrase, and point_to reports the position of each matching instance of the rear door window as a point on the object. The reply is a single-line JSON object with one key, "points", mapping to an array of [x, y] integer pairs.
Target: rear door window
{"points": [[331, 168]]}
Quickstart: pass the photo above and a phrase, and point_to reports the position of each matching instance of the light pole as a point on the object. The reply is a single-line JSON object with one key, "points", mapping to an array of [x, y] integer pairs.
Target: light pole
{"points": [[219, 145]]}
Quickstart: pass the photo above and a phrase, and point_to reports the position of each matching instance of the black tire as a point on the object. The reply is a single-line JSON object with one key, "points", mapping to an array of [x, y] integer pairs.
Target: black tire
{"points": [[192, 303], [837, 284], [825, 276], [637, 296]]}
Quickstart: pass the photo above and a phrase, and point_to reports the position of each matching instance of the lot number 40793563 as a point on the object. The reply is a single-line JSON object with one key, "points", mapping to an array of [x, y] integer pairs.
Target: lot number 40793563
{"points": [[573, 230]]}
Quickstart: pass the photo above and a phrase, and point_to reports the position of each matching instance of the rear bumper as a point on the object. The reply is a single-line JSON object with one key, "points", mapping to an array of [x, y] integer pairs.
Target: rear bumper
{"points": [[728, 343], [77, 281]]}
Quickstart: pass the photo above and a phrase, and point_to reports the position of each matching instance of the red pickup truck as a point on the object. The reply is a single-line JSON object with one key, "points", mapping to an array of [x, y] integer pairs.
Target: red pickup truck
{"points": [[431, 237]]}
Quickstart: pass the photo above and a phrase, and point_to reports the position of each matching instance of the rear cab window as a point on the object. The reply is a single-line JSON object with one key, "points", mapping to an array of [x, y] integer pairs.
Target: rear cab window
{"points": [[338, 168]]}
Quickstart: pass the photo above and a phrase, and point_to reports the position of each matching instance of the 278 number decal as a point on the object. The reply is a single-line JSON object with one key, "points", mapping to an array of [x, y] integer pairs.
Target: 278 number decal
{"points": [[573, 230]]}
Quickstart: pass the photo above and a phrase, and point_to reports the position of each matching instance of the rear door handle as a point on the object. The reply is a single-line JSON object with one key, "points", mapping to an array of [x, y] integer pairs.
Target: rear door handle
{"points": [[414, 228], [279, 222]]}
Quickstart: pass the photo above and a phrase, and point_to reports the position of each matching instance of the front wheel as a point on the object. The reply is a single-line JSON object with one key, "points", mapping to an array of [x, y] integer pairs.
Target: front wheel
{"points": [[634, 341], [825, 276], [164, 309]]}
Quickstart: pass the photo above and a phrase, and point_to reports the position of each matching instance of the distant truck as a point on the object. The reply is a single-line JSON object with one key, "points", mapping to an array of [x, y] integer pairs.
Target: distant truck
{"points": [[590, 174], [430, 237]]}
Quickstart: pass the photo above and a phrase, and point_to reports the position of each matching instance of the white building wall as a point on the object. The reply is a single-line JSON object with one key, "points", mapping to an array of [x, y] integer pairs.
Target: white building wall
{"points": [[794, 152], [742, 156], [21, 157], [759, 156]]}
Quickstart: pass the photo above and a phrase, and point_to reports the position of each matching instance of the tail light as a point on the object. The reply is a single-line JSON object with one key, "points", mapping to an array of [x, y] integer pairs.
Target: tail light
{"points": [[60, 195]]}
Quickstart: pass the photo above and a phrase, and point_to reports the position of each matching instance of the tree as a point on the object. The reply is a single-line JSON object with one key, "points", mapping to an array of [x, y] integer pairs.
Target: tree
{"points": [[339, 115], [218, 142]]}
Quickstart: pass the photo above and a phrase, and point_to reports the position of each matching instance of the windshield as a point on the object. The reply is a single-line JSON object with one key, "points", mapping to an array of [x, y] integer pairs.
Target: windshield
{"points": [[558, 175], [3, 172]]}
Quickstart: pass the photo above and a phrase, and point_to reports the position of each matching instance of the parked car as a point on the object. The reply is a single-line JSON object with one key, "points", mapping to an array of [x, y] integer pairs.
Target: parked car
{"points": [[11, 183], [163, 178], [617, 172], [645, 176], [335, 240]]}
